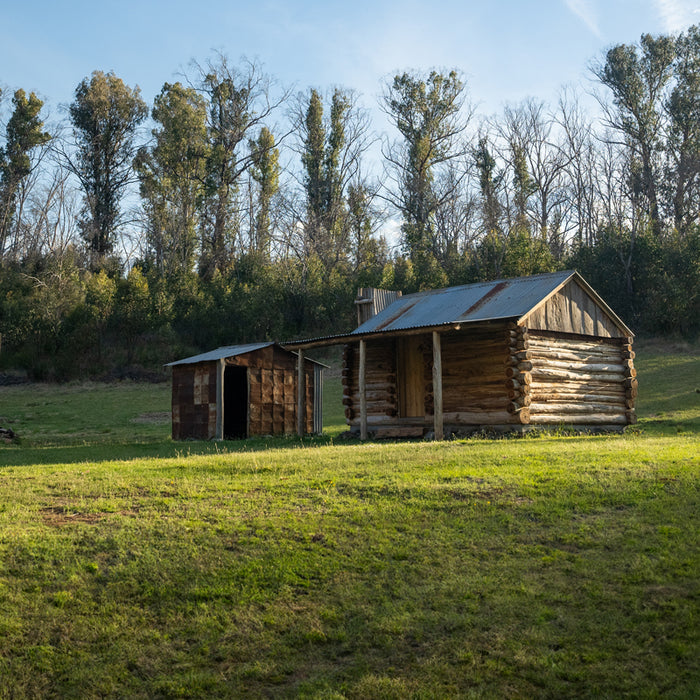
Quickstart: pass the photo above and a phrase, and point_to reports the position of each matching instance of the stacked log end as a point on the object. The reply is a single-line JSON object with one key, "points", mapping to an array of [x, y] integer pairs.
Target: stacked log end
{"points": [[630, 383], [519, 374]]}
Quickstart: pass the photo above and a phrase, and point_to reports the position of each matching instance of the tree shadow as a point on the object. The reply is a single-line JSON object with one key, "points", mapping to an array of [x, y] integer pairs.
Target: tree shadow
{"points": [[18, 455]]}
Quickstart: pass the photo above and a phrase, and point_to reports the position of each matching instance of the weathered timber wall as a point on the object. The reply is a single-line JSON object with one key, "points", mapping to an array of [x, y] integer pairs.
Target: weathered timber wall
{"points": [[370, 301], [272, 386], [381, 387], [272, 395], [194, 401], [503, 375], [573, 310], [581, 381], [477, 384], [484, 381]]}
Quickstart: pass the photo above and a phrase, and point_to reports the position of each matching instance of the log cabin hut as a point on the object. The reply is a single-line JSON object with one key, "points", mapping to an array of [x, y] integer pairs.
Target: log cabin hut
{"points": [[508, 355], [238, 391]]}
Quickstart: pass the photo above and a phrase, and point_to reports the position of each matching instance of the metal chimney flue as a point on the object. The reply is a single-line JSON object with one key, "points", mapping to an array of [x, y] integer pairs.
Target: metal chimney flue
{"points": [[370, 301]]}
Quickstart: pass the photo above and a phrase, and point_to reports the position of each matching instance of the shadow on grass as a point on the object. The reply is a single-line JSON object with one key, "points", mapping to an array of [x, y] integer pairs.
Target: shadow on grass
{"points": [[668, 427], [17, 455]]}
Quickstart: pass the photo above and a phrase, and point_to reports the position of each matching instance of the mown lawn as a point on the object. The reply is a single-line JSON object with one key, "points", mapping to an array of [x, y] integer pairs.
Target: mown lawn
{"points": [[550, 566]]}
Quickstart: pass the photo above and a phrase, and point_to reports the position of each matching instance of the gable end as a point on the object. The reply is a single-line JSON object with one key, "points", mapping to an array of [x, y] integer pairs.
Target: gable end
{"points": [[572, 309]]}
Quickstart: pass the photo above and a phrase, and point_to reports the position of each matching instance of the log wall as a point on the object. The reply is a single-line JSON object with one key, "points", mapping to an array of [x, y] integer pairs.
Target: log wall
{"points": [[381, 387], [485, 379], [480, 377], [581, 380], [502, 375]]}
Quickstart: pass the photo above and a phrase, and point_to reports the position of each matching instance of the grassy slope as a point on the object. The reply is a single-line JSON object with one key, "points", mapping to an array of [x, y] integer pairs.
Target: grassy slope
{"points": [[548, 566]]}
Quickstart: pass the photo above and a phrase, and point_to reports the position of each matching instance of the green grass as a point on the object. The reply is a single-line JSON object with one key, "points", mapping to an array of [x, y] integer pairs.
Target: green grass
{"points": [[669, 387], [550, 566]]}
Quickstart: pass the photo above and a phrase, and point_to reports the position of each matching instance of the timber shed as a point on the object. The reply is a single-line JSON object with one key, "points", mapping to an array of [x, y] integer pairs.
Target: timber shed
{"points": [[503, 355], [238, 391]]}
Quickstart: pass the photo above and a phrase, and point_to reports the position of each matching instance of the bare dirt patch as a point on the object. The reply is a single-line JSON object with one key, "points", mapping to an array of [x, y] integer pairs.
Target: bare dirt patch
{"points": [[154, 418], [58, 515]]}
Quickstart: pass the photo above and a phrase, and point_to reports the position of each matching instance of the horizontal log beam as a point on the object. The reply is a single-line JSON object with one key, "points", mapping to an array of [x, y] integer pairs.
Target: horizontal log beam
{"points": [[583, 357], [588, 367], [472, 404], [582, 419], [479, 417], [554, 373], [577, 383], [387, 387], [575, 408], [563, 396], [556, 344], [519, 356]]}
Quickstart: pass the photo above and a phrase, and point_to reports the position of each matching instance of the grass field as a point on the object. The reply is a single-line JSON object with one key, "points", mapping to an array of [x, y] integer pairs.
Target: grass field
{"points": [[547, 566]]}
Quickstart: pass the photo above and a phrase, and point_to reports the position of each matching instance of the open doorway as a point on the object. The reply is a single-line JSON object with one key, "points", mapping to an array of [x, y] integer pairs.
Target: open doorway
{"points": [[235, 403]]}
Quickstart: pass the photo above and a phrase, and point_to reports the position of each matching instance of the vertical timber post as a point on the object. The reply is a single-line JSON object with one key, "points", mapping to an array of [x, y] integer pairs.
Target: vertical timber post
{"points": [[363, 390], [301, 394], [437, 388], [220, 399]]}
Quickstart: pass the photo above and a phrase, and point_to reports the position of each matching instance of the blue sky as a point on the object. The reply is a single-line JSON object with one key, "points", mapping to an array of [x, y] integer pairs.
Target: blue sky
{"points": [[507, 49]]}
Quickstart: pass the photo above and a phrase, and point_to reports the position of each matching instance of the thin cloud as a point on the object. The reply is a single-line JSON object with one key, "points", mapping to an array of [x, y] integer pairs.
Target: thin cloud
{"points": [[676, 15], [585, 11]]}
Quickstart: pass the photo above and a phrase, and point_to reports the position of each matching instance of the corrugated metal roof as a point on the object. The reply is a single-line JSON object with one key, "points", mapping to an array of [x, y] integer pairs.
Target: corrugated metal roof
{"points": [[232, 351], [221, 353], [484, 301], [501, 300]]}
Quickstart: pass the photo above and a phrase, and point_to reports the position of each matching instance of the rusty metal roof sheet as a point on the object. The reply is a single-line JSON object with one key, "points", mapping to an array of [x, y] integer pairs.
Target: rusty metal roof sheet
{"points": [[232, 351], [485, 301], [221, 353]]}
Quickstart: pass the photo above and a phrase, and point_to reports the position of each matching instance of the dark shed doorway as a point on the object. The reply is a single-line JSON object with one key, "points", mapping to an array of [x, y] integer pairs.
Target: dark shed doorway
{"points": [[235, 403]]}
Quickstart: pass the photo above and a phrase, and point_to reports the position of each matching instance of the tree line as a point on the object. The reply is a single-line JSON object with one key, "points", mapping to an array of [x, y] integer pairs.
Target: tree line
{"points": [[234, 210]]}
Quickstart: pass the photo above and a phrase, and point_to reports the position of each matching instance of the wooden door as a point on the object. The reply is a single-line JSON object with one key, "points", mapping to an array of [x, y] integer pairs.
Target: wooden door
{"points": [[409, 378]]}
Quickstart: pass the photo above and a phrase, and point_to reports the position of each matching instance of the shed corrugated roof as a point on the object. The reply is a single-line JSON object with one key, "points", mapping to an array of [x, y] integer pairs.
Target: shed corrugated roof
{"points": [[221, 353], [232, 351], [484, 301]]}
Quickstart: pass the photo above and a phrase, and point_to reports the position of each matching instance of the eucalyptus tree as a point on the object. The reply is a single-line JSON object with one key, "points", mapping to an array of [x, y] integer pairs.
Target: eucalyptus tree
{"points": [[581, 149], [105, 115], [368, 248], [429, 113], [539, 160], [240, 101], [265, 172], [171, 172], [683, 107], [24, 134], [457, 219], [312, 159], [637, 77], [489, 184], [331, 151], [491, 244]]}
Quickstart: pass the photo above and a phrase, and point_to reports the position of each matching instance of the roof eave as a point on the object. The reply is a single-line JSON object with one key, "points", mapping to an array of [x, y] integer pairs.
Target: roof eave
{"points": [[416, 330]]}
